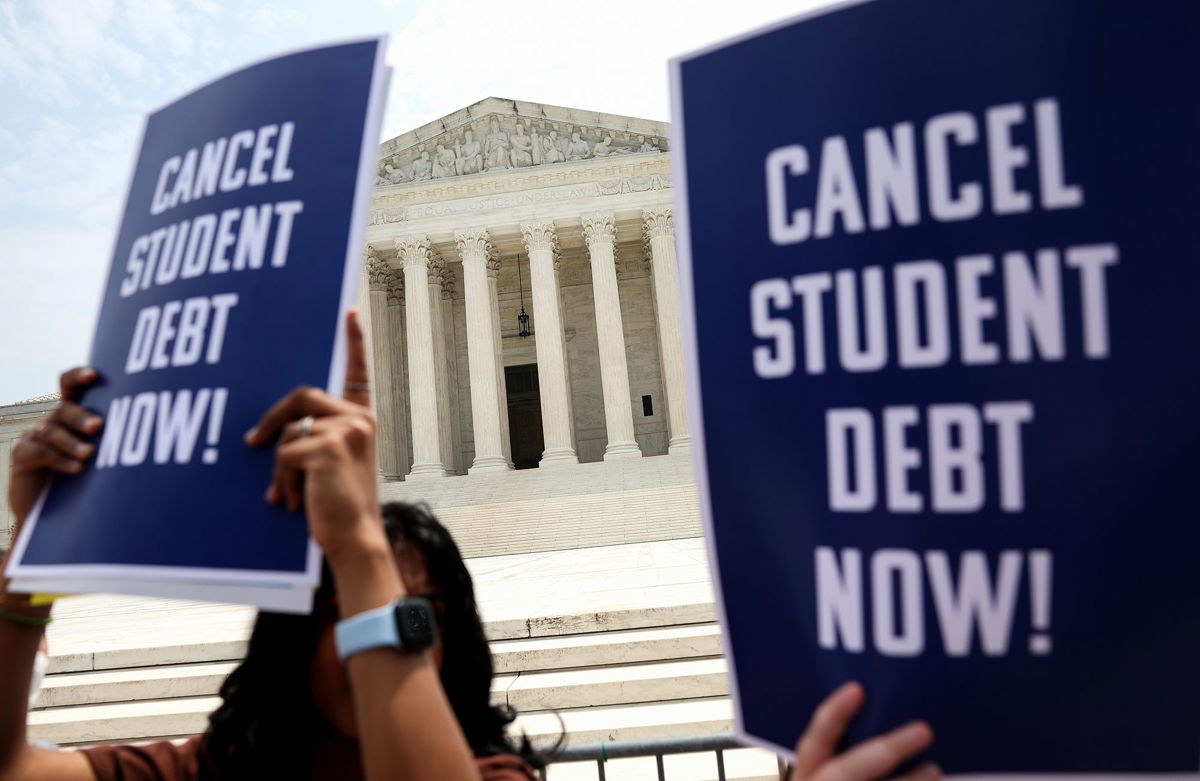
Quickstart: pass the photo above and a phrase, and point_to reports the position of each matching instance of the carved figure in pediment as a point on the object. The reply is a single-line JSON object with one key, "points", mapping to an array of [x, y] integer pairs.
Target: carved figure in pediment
{"points": [[422, 168], [393, 175], [646, 146], [578, 149], [604, 147], [443, 162], [469, 155], [497, 150], [550, 151], [522, 148]]}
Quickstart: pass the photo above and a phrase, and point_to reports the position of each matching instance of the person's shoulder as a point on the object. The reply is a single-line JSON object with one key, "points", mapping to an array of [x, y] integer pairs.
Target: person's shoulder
{"points": [[159, 761], [505, 767]]}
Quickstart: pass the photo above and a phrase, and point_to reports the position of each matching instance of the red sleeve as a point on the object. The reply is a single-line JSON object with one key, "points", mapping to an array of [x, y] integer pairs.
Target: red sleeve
{"points": [[162, 761], [505, 767]]}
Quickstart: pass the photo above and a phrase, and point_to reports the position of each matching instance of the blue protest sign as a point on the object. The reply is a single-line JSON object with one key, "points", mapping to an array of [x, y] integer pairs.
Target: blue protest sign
{"points": [[234, 264], [939, 263]]}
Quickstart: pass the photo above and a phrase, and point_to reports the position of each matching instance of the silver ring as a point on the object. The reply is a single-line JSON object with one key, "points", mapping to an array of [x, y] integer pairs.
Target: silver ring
{"points": [[306, 424], [358, 386]]}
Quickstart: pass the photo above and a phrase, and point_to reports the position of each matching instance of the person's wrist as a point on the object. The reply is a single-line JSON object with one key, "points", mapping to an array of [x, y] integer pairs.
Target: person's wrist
{"points": [[360, 544]]}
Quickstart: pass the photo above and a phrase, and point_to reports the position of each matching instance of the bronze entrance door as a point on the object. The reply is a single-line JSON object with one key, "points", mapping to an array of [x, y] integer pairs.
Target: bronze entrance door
{"points": [[524, 415]]}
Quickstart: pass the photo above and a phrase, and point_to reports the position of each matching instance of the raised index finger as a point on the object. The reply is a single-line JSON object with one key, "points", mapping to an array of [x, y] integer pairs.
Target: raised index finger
{"points": [[357, 387]]}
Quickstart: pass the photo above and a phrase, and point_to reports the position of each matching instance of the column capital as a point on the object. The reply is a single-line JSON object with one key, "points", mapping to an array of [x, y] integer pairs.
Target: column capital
{"points": [[447, 278], [395, 288], [658, 222], [414, 250], [599, 227], [540, 236], [378, 271], [474, 243], [437, 269], [493, 266]]}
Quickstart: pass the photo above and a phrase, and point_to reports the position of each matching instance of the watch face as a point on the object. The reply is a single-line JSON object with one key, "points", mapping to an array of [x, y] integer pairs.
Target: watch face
{"points": [[414, 620]]}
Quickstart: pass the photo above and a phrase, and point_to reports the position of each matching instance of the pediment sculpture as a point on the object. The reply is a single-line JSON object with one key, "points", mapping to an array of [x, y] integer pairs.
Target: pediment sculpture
{"points": [[498, 143]]}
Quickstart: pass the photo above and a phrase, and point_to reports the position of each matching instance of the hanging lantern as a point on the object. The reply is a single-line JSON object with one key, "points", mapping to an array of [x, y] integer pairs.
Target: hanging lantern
{"points": [[522, 318]]}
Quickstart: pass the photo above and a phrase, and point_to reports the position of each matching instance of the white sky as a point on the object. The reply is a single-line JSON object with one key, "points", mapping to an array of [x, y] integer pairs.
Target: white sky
{"points": [[76, 76]]}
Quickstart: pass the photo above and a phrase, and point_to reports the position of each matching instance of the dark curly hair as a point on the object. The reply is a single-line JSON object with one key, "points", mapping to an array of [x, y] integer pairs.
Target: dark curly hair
{"points": [[268, 710]]}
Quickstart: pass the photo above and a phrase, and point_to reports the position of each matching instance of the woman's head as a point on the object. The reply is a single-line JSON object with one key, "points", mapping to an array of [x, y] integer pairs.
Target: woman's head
{"points": [[291, 684]]}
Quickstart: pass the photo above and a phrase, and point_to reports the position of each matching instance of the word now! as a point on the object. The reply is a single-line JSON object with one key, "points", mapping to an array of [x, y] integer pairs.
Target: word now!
{"points": [[169, 420], [972, 602]]}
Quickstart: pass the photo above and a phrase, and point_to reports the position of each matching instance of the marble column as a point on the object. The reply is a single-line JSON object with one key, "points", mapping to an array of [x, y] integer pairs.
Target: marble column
{"points": [[475, 247], [395, 300], [659, 232], [600, 234], [437, 284], [418, 258], [365, 320], [378, 274], [498, 353], [450, 340], [557, 428], [7, 521]]}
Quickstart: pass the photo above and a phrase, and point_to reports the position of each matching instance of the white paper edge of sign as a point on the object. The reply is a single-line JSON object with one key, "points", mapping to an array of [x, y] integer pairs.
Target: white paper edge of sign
{"points": [[380, 76], [683, 252], [283, 599]]}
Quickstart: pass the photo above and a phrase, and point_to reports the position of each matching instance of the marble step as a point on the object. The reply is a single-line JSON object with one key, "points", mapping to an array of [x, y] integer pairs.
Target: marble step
{"points": [[559, 689], [138, 683], [228, 649], [614, 685], [153, 719], [606, 648], [743, 764], [121, 721]]}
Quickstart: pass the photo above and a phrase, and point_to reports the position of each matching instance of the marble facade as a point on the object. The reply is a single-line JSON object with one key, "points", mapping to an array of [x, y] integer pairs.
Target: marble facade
{"points": [[581, 202]]}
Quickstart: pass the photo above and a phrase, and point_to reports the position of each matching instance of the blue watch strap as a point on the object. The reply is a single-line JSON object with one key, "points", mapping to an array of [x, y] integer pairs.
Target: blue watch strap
{"points": [[372, 629]]}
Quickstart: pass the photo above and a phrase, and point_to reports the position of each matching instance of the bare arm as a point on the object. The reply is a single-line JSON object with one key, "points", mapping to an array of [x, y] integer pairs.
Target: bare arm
{"points": [[406, 726], [59, 443]]}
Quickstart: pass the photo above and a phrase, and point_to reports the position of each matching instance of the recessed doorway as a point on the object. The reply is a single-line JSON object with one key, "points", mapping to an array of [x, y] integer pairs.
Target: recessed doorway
{"points": [[524, 415]]}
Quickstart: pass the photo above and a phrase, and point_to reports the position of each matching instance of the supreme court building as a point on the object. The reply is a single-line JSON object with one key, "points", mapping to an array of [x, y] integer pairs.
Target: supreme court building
{"points": [[506, 208]]}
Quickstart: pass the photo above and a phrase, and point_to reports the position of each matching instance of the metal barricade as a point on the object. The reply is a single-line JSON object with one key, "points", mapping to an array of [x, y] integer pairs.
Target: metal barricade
{"points": [[694, 744]]}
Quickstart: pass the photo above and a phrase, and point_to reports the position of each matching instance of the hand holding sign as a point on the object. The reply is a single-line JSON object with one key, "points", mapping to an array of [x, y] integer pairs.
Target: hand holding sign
{"points": [[816, 758], [325, 459], [60, 442]]}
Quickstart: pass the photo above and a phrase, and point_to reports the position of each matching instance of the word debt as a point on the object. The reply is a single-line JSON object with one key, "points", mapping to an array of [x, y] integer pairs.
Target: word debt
{"points": [[225, 165], [162, 427], [954, 457], [893, 176], [924, 313], [234, 240], [882, 601], [180, 333]]}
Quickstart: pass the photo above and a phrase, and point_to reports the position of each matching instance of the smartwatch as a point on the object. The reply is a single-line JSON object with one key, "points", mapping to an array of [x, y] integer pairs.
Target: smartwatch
{"points": [[406, 624]]}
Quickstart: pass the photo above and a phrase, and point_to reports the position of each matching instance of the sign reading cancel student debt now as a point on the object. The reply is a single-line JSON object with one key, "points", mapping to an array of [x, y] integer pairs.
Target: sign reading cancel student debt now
{"points": [[235, 263], [942, 262]]}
